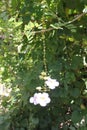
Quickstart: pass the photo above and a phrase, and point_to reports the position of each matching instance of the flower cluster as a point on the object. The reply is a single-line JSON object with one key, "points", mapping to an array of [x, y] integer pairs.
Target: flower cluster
{"points": [[43, 98], [40, 98]]}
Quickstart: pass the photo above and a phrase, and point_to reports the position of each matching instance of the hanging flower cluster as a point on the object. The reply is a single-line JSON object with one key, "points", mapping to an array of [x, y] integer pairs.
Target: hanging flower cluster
{"points": [[42, 98]]}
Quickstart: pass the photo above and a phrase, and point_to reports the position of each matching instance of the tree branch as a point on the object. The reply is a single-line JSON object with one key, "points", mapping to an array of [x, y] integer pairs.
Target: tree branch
{"points": [[69, 22], [43, 31], [50, 29], [76, 18]]}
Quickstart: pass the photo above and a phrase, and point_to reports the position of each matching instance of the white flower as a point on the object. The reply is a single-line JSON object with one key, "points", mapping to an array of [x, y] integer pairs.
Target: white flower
{"points": [[52, 83], [43, 99], [40, 98], [34, 99], [85, 10]]}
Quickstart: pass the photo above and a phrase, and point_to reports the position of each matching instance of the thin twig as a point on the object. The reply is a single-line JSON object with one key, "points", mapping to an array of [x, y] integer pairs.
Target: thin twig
{"points": [[43, 31], [76, 18]]}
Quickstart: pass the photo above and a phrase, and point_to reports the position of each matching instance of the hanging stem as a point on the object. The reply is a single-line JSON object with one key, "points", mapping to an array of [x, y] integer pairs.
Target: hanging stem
{"points": [[44, 57]]}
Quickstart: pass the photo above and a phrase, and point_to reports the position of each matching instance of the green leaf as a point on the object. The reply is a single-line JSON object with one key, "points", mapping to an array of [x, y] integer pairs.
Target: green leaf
{"points": [[76, 116], [83, 128], [22, 128], [35, 121], [54, 128], [72, 128], [70, 77], [5, 126], [75, 92], [57, 25], [77, 62]]}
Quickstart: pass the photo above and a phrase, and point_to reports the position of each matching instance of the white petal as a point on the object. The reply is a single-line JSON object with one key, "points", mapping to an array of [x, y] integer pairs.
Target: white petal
{"points": [[31, 100], [43, 104]]}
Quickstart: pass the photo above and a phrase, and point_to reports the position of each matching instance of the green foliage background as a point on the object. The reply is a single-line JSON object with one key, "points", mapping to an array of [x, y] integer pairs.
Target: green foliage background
{"points": [[43, 35]]}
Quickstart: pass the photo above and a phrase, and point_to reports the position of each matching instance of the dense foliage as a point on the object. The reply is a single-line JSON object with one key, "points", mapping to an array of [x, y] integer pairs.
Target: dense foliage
{"points": [[40, 38]]}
